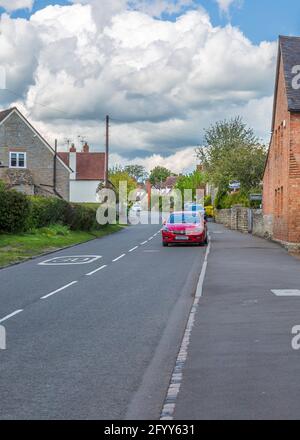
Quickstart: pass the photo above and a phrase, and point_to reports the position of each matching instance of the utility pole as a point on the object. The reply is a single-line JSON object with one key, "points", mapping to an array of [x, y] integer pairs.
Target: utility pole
{"points": [[55, 166], [106, 151]]}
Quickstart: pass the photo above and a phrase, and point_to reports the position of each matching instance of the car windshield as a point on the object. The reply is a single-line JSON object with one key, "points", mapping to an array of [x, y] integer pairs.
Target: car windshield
{"points": [[196, 207], [183, 218]]}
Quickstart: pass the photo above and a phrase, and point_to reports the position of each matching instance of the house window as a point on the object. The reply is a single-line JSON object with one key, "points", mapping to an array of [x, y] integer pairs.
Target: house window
{"points": [[17, 160]]}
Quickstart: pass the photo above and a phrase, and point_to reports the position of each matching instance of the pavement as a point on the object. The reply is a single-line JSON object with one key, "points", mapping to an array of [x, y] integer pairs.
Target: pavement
{"points": [[240, 363], [95, 340]]}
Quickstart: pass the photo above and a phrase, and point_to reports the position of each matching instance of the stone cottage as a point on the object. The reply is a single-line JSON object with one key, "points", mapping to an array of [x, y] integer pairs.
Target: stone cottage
{"points": [[281, 197], [27, 162]]}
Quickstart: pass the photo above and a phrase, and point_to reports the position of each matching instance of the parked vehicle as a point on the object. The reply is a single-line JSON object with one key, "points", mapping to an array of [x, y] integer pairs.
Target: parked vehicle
{"points": [[136, 208], [185, 227], [194, 207]]}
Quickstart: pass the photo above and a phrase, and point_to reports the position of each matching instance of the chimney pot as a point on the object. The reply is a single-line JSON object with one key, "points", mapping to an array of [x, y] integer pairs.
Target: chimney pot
{"points": [[72, 149], [86, 148]]}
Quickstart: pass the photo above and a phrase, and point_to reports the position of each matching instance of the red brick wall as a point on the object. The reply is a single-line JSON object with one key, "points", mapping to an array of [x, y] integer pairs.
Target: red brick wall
{"points": [[294, 180], [276, 197]]}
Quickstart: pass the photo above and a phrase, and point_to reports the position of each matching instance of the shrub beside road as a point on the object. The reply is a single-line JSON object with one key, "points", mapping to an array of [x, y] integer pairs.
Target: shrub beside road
{"points": [[30, 226]]}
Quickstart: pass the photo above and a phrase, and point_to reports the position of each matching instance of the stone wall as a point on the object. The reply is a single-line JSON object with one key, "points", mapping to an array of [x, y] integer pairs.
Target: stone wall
{"points": [[246, 220], [223, 216], [17, 136]]}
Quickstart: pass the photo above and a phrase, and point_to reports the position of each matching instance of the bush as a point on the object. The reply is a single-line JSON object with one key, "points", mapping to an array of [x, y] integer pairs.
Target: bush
{"points": [[226, 201], [20, 213], [46, 211], [209, 211], [14, 211], [207, 201], [81, 218]]}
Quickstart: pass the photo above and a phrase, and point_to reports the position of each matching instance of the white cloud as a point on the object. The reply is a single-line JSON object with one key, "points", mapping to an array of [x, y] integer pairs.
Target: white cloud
{"points": [[183, 161], [13, 5], [166, 80], [225, 5]]}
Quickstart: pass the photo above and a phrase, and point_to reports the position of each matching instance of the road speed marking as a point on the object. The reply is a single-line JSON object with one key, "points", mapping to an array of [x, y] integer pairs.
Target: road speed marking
{"points": [[71, 260]]}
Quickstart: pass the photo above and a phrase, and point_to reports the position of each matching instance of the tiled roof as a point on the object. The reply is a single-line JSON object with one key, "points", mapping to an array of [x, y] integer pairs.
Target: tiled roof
{"points": [[289, 47], [89, 166]]}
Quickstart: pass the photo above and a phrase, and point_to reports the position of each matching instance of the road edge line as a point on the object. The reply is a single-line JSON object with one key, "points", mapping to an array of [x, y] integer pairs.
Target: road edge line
{"points": [[169, 406]]}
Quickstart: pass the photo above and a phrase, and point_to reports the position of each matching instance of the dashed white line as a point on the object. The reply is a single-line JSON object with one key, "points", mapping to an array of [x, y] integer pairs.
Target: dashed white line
{"points": [[119, 258], [10, 316], [133, 249], [96, 270], [144, 242], [151, 238], [59, 290]]}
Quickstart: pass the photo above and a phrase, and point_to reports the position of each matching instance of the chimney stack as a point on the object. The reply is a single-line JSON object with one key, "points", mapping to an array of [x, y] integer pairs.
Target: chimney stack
{"points": [[72, 149], [86, 148]]}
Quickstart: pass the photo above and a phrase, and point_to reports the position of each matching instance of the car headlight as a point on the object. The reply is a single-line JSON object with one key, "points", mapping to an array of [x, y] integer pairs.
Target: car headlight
{"points": [[198, 230], [166, 229]]}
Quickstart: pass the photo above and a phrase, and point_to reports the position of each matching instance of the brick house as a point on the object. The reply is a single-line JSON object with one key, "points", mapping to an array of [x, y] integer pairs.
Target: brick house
{"points": [[27, 161], [281, 194], [88, 171]]}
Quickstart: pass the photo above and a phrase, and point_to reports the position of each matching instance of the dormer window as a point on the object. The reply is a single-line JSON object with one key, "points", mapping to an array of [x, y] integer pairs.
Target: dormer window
{"points": [[17, 160]]}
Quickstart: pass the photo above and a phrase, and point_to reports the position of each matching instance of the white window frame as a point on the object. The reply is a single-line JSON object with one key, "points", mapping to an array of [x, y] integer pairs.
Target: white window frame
{"points": [[18, 154]]}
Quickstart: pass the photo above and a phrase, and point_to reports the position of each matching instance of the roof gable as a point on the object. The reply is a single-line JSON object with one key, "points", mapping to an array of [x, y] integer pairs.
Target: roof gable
{"points": [[5, 114]]}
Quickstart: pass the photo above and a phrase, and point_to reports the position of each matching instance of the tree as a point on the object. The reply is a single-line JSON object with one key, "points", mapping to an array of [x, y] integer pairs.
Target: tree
{"points": [[191, 181], [159, 175], [137, 172], [117, 175], [232, 152]]}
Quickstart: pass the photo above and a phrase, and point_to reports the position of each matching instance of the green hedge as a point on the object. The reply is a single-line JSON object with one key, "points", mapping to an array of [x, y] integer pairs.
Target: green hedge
{"points": [[20, 213], [46, 211], [14, 211], [226, 201]]}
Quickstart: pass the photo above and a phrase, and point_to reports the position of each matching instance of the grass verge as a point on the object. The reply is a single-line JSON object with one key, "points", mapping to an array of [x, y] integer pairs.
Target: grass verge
{"points": [[17, 248]]}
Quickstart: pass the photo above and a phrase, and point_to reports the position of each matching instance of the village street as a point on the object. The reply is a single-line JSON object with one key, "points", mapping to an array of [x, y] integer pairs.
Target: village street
{"points": [[100, 340]]}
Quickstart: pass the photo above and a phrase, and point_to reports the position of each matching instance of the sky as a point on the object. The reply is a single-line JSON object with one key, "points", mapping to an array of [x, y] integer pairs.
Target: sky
{"points": [[164, 70]]}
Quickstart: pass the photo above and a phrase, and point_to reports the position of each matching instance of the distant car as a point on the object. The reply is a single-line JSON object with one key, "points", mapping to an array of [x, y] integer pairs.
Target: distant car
{"points": [[136, 208], [194, 207], [185, 227]]}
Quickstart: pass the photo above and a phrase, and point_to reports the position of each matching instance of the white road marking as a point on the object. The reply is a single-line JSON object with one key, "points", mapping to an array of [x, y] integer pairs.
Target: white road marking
{"points": [[71, 260], [119, 258], [59, 290], [176, 380], [151, 238], [286, 292], [133, 249], [10, 316], [95, 271], [144, 242]]}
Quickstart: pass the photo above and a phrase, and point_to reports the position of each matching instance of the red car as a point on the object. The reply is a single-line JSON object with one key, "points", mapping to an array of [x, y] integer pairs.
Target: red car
{"points": [[185, 227]]}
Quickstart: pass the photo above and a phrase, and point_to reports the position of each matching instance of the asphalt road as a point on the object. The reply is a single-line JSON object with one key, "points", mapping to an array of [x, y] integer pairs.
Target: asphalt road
{"points": [[240, 363], [104, 346]]}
